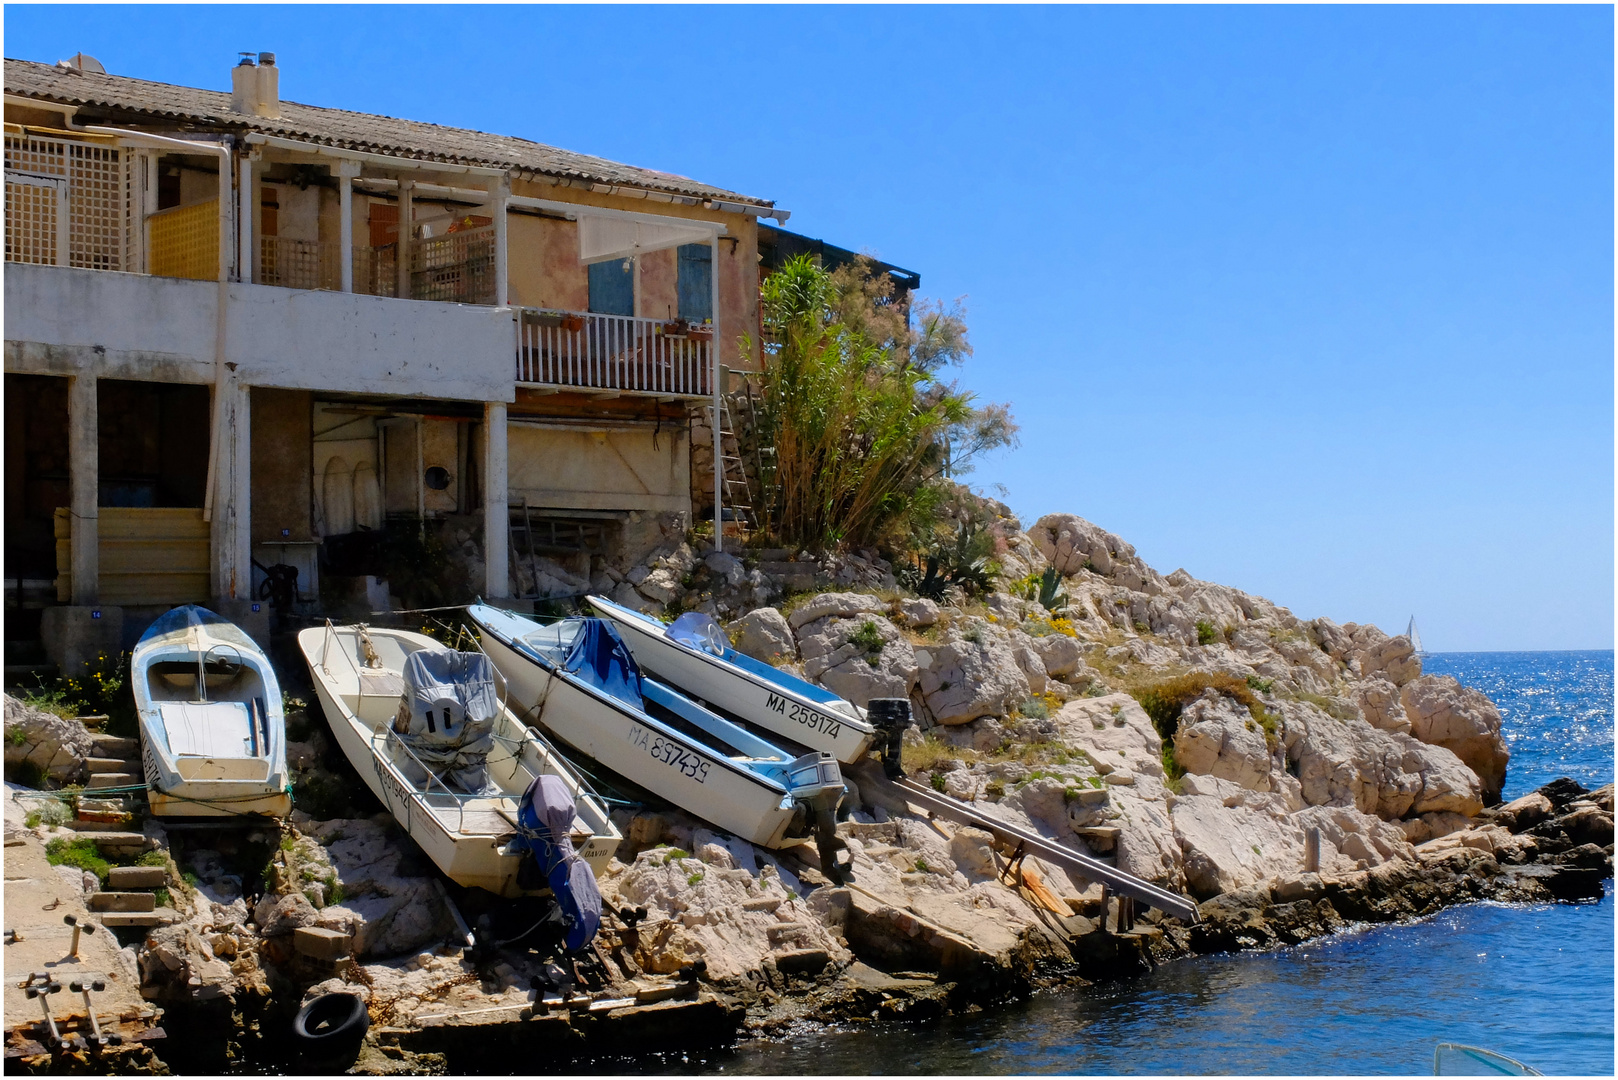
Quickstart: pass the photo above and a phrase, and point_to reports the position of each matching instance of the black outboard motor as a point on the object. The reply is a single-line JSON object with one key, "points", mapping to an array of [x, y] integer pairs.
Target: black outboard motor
{"points": [[890, 717]]}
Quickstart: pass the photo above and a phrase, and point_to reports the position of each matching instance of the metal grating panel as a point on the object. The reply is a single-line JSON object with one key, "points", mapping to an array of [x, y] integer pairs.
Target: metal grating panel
{"points": [[457, 267], [299, 264], [31, 220]]}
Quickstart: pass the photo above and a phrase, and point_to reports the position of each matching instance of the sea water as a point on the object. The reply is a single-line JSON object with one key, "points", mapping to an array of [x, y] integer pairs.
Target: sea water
{"points": [[1533, 982]]}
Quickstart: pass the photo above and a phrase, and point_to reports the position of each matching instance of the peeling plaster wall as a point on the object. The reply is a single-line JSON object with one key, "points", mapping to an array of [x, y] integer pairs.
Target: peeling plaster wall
{"points": [[602, 469]]}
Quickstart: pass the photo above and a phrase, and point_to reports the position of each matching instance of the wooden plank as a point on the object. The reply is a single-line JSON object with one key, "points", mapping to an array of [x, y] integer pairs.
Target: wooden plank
{"points": [[149, 555]]}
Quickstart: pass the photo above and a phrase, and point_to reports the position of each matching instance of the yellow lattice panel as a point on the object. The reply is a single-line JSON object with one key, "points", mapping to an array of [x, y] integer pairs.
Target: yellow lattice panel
{"points": [[185, 242]]}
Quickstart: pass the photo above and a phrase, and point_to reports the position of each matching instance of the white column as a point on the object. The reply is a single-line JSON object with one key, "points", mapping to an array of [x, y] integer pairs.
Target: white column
{"points": [[718, 443], [244, 220], [502, 260], [148, 208], [84, 489], [347, 171], [496, 500], [232, 541]]}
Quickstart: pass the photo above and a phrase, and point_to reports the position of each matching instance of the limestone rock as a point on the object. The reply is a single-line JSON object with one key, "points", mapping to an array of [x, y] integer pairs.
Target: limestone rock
{"points": [[52, 747], [765, 635], [1114, 732], [1444, 713], [1394, 658], [919, 613], [971, 675], [1228, 847], [1381, 706], [973, 852], [1061, 655], [1068, 542], [840, 605], [856, 670], [278, 915], [1217, 736], [1348, 837], [1347, 762]]}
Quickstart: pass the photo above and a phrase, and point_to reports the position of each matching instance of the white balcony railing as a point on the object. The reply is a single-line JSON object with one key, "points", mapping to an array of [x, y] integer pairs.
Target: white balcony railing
{"points": [[614, 352]]}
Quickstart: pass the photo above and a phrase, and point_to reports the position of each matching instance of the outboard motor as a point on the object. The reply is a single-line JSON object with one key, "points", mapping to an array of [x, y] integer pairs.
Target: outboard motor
{"points": [[890, 717], [544, 826]]}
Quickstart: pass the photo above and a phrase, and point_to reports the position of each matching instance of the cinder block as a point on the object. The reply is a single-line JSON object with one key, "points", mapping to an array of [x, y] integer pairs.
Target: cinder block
{"points": [[123, 901], [137, 877], [321, 944]]}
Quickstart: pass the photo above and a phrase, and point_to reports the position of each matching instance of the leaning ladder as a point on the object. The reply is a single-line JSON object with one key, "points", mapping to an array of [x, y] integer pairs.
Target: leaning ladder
{"points": [[738, 493]]}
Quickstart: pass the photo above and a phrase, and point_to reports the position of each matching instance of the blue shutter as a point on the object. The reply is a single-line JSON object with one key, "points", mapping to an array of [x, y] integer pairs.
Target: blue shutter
{"points": [[612, 288], [696, 282]]}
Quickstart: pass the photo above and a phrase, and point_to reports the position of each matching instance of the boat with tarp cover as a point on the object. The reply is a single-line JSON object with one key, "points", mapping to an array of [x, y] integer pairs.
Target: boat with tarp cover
{"points": [[489, 800], [577, 679], [695, 655], [212, 730]]}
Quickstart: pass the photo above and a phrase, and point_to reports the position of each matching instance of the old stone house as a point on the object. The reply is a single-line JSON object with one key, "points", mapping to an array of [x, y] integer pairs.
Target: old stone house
{"points": [[244, 333]]}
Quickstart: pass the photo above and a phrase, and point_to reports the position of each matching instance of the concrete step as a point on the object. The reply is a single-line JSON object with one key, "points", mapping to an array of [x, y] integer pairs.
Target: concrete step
{"points": [[114, 746], [137, 877], [123, 901], [159, 917], [113, 780], [113, 765], [91, 825], [120, 840]]}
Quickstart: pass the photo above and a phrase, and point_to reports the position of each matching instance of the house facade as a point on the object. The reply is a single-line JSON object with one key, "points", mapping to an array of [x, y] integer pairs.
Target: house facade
{"points": [[245, 334]]}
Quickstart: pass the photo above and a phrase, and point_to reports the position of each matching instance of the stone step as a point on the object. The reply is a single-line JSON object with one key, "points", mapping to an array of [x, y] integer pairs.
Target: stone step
{"points": [[91, 825], [137, 877], [113, 780], [159, 917], [120, 840], [125, 766], [123, 901], [115, 746]]}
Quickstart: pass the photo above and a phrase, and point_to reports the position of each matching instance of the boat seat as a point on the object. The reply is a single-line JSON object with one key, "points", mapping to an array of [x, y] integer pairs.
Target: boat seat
{"points": [[218, 729]]}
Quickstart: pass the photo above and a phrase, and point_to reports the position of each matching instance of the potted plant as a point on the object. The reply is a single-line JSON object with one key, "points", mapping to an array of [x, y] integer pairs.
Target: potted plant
{"points": [[550, 319], [701, 333], [572, 323]]}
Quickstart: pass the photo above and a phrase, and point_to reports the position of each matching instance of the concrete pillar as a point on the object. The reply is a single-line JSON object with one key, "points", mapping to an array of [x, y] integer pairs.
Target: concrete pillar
{"points": [[496, 499], [347, 172], [231, 537], [502, 283], [83, 455], [244, 219], [407, 229]]}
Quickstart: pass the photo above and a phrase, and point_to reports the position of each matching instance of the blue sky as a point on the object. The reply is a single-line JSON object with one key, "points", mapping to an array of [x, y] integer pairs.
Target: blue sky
{"points": [[1315, 302]]}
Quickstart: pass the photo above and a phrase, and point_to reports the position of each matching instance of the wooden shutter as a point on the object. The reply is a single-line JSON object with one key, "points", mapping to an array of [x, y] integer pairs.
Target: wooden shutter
{"points": [[696, 282]]}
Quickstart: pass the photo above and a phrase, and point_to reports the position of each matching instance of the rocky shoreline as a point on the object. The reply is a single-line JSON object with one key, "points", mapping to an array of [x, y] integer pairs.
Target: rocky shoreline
{"points": [[1294, 777]]}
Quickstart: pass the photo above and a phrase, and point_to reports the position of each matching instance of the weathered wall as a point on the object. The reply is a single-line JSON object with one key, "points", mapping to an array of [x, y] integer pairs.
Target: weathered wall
{"points": [[599, 468], [60, 321], [281, 465]]}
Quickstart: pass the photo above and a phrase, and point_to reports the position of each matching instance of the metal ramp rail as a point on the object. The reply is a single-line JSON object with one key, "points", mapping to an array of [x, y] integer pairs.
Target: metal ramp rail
{"points": [[1031, 843]]}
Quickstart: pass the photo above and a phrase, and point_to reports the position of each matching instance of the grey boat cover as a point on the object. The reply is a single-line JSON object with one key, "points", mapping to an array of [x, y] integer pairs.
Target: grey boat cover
{"points": [[545, 820], [447, 715]]}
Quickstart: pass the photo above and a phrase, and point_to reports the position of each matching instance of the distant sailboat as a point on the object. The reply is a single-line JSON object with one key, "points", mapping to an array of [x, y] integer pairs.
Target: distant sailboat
{"points": [[1415, 637]]}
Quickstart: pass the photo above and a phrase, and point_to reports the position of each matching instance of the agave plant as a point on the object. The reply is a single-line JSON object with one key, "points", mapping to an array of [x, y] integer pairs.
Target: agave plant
{"points": [[1046, 590]]}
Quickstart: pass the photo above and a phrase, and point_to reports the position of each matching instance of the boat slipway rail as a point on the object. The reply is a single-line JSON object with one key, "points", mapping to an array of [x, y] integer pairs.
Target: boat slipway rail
{"points": [[1031, 843]]}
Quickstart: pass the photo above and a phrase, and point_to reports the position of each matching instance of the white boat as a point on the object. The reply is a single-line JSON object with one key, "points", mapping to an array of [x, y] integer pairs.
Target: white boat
{"points": [[472, 835], [213, 735], [578, 679], [694, 655], [1415, 637], [1458, 1059]]}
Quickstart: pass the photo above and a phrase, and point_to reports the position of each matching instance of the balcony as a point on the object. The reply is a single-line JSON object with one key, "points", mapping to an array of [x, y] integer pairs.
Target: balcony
{"points": [[608, 355]]}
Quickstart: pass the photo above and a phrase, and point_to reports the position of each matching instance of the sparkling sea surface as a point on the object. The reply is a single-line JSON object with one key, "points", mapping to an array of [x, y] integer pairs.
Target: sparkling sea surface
{"points": [[1533, 982]]}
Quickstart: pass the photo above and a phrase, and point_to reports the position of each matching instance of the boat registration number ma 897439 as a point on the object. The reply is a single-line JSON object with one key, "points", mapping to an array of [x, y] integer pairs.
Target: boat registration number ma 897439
{"points": [[803, 714], [669, 753]]}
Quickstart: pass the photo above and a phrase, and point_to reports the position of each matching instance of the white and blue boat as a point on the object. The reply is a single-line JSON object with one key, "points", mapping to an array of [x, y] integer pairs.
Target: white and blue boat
{"points": [[212, 730], [695, 655], [578, 680]]}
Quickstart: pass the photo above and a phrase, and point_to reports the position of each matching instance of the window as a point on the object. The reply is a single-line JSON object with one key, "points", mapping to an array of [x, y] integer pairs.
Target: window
{"points": [[696, 282], [612, 287]]}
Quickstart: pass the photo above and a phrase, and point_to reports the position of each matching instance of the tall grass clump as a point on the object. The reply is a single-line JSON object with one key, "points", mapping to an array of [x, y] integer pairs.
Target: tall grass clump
{"points": [[861, 428]]}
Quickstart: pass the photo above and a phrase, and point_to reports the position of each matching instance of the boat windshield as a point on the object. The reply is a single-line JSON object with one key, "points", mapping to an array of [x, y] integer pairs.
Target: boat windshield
{"points": [[700, 632]]}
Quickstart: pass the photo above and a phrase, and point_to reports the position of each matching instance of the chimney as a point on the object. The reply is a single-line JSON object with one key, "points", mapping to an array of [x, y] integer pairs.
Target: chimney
{"points": [[255, 88]]}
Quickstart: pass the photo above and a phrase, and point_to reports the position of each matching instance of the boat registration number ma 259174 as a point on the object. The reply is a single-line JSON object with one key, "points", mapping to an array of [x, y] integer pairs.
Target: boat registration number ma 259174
{"points": [[804, 715], [671, 754]]}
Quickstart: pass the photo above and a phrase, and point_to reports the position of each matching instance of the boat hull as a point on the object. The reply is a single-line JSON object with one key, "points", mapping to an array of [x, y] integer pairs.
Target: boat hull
{"points": [[688, 775], [729, 688], [208, 750], [471, 860]]}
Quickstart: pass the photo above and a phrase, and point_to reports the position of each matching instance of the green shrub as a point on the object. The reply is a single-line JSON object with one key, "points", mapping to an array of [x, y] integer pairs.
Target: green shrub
{"points": [[995, 790], [81, 852], [1206, 634], [1035, 709], [921, 866], [1263, 686], [938, 781], [869, 640]]}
